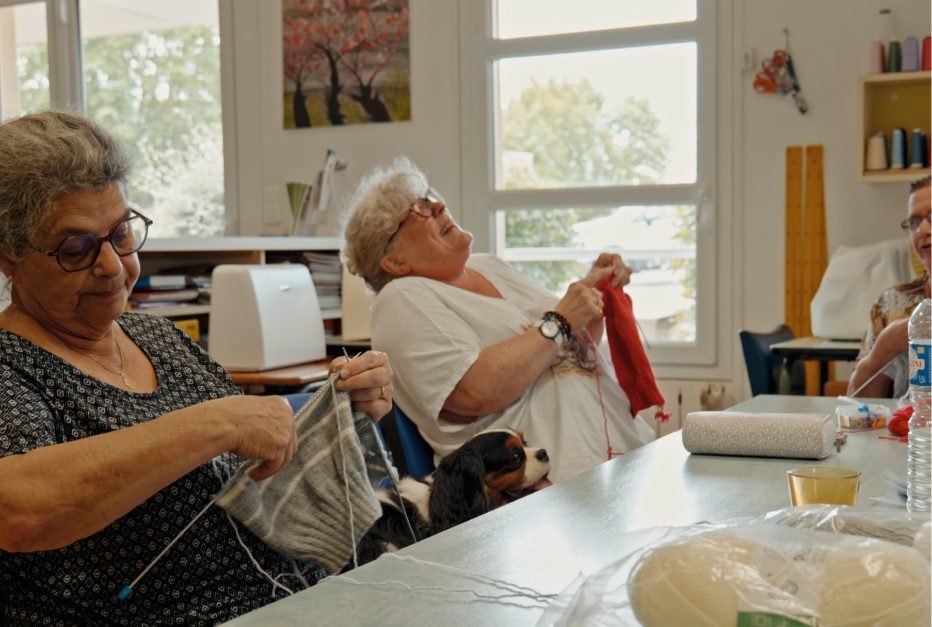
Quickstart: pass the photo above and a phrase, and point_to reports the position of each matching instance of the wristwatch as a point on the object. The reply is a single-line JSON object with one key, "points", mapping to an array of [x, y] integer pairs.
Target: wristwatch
{"points": [[550, 329]]}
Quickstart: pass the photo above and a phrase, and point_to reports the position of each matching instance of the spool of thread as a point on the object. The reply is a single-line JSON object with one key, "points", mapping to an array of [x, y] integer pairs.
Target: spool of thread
{"points": [[876, 153], [894, 56], [875, 64], [898, 149], [927, 54], [919, 149], [910, 55], [885, 27]]}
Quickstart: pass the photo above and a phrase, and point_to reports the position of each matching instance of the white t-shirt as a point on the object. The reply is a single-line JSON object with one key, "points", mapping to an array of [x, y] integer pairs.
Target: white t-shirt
{"points": [[433, 333]]}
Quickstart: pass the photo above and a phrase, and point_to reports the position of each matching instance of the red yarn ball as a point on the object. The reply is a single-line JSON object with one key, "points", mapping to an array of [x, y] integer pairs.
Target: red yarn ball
{"points": [[899, 424]]}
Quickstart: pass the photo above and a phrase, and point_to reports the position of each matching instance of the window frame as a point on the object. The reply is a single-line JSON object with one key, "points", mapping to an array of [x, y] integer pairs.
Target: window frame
{"points": [[482, 202], [66, 81]]}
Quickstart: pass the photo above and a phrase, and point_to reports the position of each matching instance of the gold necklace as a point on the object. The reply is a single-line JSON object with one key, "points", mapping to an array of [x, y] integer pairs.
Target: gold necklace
{"points": [[126, 380]]}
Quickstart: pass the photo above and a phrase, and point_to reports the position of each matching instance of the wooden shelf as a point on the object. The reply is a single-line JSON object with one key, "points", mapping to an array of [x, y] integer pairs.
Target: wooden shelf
{"points": [[895, 78], [175, 311], [907, 175], [887, 102], [234, 244]]}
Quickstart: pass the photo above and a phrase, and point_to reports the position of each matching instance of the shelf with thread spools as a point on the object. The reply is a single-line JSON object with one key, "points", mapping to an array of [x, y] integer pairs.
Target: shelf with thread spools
{"points": [[887, 102]]}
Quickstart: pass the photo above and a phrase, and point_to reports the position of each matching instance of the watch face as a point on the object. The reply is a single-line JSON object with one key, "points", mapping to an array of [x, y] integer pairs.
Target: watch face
{"points": [[550, 329]]}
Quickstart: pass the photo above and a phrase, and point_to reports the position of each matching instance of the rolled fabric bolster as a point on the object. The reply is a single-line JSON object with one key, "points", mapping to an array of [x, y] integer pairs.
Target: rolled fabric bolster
{"points": [[801, 436]]}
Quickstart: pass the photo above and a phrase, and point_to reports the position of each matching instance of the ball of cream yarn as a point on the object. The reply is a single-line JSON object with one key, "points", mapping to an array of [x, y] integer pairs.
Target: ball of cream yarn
{"points": [[696, 582]]}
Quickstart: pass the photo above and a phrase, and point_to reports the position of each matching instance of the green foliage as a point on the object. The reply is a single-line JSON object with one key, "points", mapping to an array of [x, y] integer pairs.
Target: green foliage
{"points": [[32, 66], [684, 326], [575, 139], [160, 92]]}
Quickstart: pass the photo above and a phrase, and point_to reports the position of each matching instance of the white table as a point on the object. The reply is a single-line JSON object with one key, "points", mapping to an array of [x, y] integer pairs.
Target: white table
{"points": [[544, 541]]}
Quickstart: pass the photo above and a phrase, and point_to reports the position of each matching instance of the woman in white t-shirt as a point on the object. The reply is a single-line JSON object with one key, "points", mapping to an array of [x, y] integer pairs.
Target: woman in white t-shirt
{"points": [[476, 344]]}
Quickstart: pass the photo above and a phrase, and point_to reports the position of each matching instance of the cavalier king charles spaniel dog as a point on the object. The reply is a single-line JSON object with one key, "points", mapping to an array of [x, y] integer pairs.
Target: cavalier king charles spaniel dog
{"points": [[491, 469]]}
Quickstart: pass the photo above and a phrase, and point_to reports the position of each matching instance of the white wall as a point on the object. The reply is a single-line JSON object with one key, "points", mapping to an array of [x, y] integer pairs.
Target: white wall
{"points": [[271, 156], [829, 42], [829, 45]]}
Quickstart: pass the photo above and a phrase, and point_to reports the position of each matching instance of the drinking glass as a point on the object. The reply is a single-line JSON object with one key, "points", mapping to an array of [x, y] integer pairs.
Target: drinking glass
{"points": [[824, 484]]}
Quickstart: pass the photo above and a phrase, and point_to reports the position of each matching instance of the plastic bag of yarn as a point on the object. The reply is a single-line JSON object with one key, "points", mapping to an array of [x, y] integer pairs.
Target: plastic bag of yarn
{"points": [[908, 528], [750, 575]]}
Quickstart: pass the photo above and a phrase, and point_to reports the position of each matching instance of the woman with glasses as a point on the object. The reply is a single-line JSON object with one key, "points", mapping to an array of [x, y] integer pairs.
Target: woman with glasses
{"points": [[475, 343], [115, 428], [885, 345]]}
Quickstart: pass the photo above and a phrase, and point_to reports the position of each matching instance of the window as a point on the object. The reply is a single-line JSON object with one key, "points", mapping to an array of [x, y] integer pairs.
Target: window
{"points": [[24, 59], [152, 75], [582, 135], [148, 72]]}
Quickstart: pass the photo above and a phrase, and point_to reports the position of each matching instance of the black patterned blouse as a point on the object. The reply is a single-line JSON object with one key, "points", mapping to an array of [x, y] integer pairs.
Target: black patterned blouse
{"points": [[207, 576]]}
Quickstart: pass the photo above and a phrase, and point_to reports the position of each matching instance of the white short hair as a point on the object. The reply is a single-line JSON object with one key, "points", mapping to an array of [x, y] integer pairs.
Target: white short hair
{"points": [[373, 215]]}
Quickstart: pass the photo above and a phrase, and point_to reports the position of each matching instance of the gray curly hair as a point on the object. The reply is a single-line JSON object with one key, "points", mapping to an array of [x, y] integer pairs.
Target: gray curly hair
{"points": [[918, 184], [373, 212], [45, 156]]}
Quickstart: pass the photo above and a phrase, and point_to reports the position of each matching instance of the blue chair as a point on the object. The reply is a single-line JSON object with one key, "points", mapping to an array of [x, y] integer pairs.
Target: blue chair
{"points": [[419, 456], [764, 368]]}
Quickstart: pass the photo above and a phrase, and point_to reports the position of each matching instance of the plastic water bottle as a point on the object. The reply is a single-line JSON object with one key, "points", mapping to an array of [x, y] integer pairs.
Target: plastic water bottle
{"points": [[919, 462]]}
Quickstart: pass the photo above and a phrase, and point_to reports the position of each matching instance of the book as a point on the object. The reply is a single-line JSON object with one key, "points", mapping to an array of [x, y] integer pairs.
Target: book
{"points": [[172, 281], [164, 296], [162, 280]]}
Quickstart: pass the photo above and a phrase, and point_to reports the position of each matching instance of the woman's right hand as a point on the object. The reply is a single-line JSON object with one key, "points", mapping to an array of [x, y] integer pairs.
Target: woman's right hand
{"points": [[893, 340], [261, 428], [582, 302]]}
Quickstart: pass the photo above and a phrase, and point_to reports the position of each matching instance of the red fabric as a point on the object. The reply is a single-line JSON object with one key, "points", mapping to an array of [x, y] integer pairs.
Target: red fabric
{"points": [[631, 365]]}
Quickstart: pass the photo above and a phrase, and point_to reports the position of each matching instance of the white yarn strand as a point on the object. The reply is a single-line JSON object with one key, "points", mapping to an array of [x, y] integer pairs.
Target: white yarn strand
{"points": [[501, 598], [483, 578], [275, 584]]}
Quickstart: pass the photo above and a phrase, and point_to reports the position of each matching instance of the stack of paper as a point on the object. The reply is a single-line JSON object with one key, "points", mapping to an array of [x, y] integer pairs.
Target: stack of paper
{"points": [[327, 273]]}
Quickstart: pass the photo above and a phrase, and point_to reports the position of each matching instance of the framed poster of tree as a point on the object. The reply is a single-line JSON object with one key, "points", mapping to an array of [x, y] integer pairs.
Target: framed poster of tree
{"points": [[345, 62]]}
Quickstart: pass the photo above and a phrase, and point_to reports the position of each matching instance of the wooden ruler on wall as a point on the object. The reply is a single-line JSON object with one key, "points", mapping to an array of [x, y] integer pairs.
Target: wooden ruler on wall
{"points": [[794, 314], [806, 246]]}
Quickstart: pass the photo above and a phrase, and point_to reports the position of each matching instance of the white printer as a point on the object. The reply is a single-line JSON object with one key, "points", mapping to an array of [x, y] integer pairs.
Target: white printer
{"points": [[264, 316]]}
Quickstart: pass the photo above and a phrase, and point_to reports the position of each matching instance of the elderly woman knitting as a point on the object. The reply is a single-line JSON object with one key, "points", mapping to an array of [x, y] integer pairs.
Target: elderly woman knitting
{"points": [[115, 429], [475, 343]]}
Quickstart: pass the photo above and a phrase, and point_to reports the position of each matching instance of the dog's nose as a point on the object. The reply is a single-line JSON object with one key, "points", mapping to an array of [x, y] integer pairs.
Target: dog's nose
{"points": [[542, 455]]}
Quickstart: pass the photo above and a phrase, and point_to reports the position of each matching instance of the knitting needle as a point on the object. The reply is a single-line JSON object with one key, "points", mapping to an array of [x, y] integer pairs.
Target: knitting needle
{"points": [[850, 398]]}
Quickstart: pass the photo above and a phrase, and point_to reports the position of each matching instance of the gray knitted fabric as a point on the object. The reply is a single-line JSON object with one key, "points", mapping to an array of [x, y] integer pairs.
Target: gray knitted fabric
{"points": [[324, 500]]}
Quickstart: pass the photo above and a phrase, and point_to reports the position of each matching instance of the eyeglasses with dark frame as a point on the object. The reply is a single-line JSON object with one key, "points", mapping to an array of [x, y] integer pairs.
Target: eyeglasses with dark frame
{"points": [[914, 223], [422, 208], [80, 252]]}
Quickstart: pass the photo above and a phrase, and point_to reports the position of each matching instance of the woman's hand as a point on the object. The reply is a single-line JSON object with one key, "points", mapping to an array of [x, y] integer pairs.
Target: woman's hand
{"points": [[621, 272], [264, 429], [583, 302], [892, 341], [369, 377]]}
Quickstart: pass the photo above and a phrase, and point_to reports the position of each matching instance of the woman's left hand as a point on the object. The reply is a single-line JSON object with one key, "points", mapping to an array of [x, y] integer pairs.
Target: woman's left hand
{"points": [[369, 379], [621, 273]]}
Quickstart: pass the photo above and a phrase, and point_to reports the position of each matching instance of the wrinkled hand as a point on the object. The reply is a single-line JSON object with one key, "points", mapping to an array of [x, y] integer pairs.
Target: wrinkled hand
{"points": [[263, 429], [369, 377], [621, 271], [582, 302], [893, 340]]}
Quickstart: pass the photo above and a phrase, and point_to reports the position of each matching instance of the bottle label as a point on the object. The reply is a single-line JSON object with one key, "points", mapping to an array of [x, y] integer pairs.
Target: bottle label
{"points": [[919, 364]]}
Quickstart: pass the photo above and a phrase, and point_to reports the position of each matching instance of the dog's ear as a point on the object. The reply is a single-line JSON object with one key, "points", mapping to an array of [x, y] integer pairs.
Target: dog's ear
{"points": [[457, 492]]}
